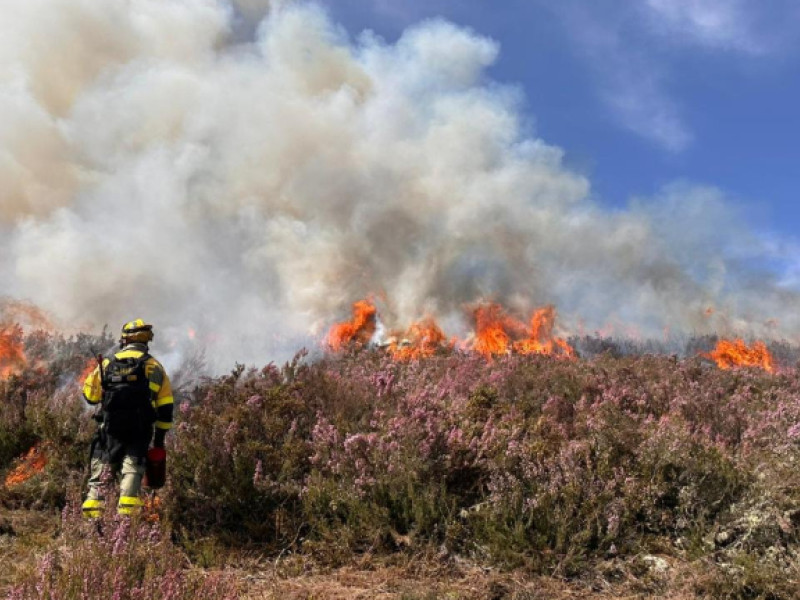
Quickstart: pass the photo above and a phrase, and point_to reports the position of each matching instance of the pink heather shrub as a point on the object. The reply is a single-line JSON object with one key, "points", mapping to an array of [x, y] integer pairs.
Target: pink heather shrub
{"points": [[117, 558], [525, 460]]}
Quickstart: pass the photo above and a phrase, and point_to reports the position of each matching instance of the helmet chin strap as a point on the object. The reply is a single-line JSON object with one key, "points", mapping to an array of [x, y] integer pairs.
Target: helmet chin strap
{"points": [[125, 342]]}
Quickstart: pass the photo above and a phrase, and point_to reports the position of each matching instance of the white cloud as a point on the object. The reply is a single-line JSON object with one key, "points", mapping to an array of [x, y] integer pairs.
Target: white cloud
{"points": [[630, 83], [624, 44], [643, 108], [718, 24]]}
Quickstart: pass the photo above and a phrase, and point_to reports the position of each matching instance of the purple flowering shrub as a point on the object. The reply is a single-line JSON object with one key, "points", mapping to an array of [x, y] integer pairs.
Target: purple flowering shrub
{"points": [[239, 454], [524, 460], [118, 558], [521, 458]]}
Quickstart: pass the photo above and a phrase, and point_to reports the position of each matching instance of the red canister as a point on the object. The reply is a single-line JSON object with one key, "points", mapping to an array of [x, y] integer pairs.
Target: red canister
{"points": [[155, 474]]}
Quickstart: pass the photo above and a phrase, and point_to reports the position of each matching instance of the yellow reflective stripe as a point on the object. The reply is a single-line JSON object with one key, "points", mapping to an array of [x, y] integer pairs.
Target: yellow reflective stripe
{"points": [[163, 425], [92, 508], [154, 387], [128, 505], [164, 401], [129, 354], [130, 501]]}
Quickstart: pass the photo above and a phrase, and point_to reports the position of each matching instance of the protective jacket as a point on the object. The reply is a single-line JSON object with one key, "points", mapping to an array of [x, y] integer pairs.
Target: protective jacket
{"points": [[158, 385], [137, 396]]}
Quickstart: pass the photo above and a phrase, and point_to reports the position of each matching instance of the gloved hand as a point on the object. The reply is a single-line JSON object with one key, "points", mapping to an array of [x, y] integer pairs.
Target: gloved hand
{"points": [[158, 438]]}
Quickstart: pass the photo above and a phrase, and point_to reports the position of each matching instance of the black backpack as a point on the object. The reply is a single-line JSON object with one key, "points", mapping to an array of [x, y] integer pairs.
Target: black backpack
{"points": [[128, 414]]}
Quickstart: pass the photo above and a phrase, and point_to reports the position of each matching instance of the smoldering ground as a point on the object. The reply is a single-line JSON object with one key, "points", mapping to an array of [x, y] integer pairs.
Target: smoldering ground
{"points": [[248, 171]]}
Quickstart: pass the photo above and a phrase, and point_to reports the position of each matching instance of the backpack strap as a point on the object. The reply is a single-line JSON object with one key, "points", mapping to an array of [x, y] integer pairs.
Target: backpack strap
{"points": [[137, 364]]}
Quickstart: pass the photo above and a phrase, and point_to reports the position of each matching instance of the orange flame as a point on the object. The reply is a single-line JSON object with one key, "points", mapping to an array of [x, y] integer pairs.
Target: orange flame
{"points": [[498, 333], [29, 465], [422, 339], [729, 354], [91, 365], [541, 340], [358, 330], [12, 355], [491, 330]]}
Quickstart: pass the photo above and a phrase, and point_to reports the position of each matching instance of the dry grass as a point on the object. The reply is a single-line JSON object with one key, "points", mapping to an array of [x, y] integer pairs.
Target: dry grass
{"points": [[23, 535], [431, 578], [396, 583]]}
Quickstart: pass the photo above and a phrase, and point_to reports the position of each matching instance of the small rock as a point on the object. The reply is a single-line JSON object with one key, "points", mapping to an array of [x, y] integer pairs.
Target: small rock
{"points": [[655, 563], [443, 554], [722, 538], [731, 569]]}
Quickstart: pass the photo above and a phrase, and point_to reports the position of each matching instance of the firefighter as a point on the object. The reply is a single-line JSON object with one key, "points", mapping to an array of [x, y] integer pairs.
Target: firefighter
{"points": [[135, 397]]}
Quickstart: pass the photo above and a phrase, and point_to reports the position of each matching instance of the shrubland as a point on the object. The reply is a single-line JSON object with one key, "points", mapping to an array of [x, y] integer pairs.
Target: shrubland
{"points": [[614, 465]]}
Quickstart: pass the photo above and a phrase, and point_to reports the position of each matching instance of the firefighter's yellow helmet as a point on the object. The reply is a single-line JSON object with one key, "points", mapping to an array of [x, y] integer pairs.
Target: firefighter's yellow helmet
{"points": [[137, 332]]}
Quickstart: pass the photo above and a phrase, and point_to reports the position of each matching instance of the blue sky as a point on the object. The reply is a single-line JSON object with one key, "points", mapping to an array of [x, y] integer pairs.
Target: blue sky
{"points": [[640, 94]]}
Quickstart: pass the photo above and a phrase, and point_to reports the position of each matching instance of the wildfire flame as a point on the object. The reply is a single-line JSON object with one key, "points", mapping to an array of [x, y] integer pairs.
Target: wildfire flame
{"points": [[33, 462], [541, 339], [359, 330], [736, 353], [498, 333], [91, 365], [12, 354], [493, 330], [422, 339]]}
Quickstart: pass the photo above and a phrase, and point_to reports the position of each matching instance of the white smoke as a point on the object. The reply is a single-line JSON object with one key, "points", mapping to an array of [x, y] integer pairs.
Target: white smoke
{"points": [[170, 160]]}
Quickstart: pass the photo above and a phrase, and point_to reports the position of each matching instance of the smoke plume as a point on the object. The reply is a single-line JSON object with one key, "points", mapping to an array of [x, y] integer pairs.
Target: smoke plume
{"points": [[247, 172]]}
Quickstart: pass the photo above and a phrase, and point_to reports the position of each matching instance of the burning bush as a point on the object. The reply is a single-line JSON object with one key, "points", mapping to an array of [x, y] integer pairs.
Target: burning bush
{"points": [[41, 407], [29, 466], [12, 356], [736, 353]]}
